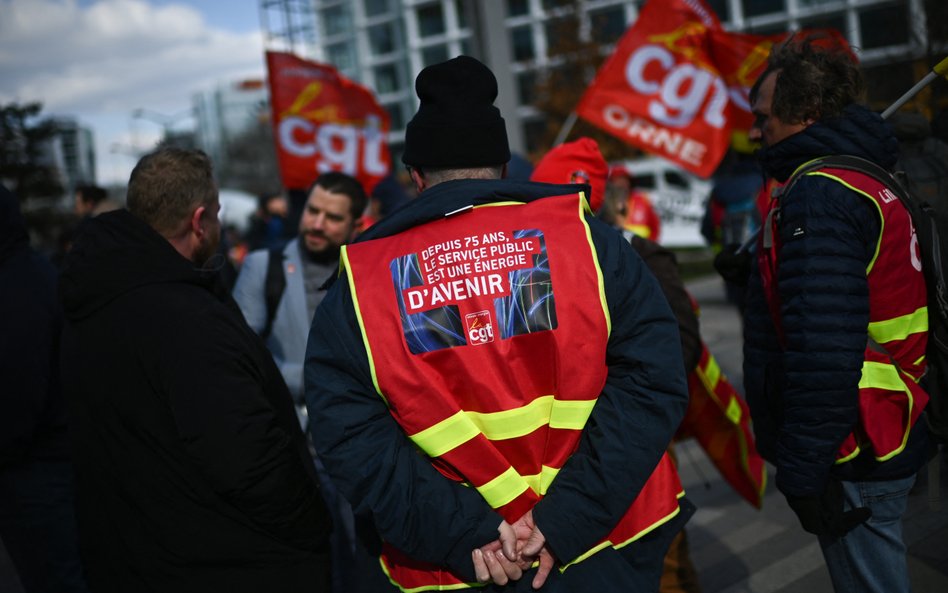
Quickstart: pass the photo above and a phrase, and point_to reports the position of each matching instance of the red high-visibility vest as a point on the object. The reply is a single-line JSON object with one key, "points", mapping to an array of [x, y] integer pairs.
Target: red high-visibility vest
{"points": [[890, 398], [486, 333]]}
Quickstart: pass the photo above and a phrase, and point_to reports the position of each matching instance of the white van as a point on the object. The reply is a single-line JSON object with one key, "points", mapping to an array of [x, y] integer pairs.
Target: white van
{"points": [[678, 196]]}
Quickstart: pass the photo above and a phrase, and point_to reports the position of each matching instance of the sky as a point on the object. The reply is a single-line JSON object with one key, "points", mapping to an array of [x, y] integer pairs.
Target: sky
{"points": [[100, 60]]}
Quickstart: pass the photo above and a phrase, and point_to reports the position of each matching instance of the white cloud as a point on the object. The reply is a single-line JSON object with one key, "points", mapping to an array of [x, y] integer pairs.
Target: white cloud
{"points": [[114, 56]]}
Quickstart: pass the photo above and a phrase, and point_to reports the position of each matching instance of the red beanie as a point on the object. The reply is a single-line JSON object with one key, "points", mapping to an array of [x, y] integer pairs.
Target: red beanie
{"points": [[575, 162]]}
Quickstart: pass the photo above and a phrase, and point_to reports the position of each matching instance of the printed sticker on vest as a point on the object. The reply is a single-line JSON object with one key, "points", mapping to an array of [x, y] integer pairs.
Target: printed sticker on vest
{"points": [[480, 328], [499, 280]]}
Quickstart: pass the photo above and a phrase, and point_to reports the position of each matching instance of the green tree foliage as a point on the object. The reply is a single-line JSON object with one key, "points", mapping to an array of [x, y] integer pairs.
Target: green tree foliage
{"points": [[24, 163]]}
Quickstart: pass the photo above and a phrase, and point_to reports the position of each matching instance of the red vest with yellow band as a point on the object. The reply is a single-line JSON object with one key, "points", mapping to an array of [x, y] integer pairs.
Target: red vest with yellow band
{"points": [[890, 399], [486, 333]]}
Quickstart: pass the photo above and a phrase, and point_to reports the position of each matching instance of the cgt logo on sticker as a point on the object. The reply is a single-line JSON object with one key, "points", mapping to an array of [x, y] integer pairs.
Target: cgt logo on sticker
{"points": [[480, 328]]}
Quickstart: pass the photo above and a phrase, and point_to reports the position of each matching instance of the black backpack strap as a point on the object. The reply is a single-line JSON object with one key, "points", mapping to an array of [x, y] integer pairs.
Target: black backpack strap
{"points": [[274, 285], [851, 163]]}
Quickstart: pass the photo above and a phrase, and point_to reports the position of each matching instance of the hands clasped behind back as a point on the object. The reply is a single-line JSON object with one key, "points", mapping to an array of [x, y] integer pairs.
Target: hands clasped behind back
{"points": [[516, 549]]}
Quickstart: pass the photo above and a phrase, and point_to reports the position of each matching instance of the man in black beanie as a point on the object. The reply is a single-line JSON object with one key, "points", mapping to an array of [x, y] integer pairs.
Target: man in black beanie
{"points": [[495, 375]]}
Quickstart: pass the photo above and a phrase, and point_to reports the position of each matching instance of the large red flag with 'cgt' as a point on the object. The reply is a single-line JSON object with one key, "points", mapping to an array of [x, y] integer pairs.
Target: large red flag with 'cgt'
{"points": [[323, 121], [677, 84]]}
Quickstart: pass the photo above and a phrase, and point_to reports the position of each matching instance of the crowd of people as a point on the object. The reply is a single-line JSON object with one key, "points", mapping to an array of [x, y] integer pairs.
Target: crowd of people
{"points": [[481, 389]]}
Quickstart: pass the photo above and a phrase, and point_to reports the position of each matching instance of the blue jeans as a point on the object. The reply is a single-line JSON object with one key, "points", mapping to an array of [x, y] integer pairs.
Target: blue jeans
{"points": [[871, 557]]}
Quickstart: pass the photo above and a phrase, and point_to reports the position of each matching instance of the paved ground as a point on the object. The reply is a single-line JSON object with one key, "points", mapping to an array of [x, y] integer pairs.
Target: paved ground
{"points": [[738, 549]]}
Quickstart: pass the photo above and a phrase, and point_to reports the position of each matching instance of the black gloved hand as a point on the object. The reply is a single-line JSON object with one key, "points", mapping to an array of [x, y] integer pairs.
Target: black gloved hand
{"points": [[733, 266], [824, 514]]}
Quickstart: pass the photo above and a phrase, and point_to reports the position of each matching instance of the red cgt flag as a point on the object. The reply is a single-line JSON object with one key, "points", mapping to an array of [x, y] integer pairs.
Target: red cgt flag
{"points": [[740, 58], [677, 84], [660, 90], [323, 121]]}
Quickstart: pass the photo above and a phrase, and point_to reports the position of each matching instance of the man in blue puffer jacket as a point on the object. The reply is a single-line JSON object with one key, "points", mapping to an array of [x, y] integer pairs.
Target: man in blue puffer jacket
{"points": [[839, 269]]}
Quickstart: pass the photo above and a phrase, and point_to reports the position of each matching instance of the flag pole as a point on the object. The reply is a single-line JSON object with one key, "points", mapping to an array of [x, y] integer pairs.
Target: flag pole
{"points": [[566, 129], [940, 69]]}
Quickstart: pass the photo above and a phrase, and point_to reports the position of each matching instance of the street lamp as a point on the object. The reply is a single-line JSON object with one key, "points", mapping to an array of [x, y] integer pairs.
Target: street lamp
{"points": [[166, 121]]}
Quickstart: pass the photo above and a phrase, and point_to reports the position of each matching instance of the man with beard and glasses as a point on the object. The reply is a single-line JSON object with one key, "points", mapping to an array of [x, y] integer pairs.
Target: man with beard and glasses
{"points": [[278, 291], [192, 472]]}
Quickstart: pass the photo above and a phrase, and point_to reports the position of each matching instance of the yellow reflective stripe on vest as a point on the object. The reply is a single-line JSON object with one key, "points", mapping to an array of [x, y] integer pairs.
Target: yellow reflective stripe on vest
{"points": [[508, 424], [571, 414], [637, 536], [344, 264], [881, 375], [504, 488], [899, 328], [446, 435], [583, 208], [540, 482], [873, 201]]}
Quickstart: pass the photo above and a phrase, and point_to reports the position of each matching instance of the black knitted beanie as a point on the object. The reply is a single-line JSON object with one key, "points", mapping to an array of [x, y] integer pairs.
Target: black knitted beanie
{"points": [[457, 124]]}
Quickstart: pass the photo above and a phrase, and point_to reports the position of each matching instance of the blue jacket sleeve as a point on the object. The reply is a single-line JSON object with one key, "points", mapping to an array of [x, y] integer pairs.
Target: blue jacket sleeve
{"points": [[829, 235], [371, 461], [636, 415]]}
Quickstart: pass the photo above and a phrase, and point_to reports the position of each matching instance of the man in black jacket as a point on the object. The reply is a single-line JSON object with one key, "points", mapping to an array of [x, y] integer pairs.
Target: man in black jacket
{"points": [[192, 473], [836, 321]]}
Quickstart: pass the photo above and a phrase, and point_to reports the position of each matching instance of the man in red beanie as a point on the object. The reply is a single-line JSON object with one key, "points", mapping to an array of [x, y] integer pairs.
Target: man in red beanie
{"points": [[495, 376]]}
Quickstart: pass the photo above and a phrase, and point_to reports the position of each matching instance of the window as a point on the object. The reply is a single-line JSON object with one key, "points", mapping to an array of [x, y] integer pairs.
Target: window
{"points": [[386, 78], [773, 29], [341, 55], [526, 87], [560, 35], [809, 3], [676, 180], [551, 4], [721, 8], [888, 25], [460, 8], [645, 180], [759, 7], [608, 24], [430, 19], [375, 7], [434, 55], [518, 7], [381, 39], [522, 42], [886, 82], [534, 133], [396, 114], [826, 21], [336, 20]]}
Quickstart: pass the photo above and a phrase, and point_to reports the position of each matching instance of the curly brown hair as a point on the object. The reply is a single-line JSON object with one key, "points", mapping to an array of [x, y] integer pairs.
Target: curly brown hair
{"points": [[813, 81]]}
